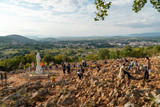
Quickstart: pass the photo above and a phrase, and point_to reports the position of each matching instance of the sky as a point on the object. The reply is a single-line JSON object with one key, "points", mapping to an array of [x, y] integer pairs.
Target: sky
{"points": [[56, 18]]}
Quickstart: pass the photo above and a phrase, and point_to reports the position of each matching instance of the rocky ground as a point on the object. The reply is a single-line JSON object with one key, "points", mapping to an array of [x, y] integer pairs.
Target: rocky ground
{"points": [[95, 89]]}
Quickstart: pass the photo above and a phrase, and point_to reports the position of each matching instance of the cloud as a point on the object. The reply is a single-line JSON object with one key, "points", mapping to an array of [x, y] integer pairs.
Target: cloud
{"points": [[121, 2], [74, 17], [54, 5]]}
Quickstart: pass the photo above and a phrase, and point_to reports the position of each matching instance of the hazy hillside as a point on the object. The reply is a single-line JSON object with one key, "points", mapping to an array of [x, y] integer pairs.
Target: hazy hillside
{"points": [[17, 38], [4, 39], [49, 39], [146, 35]]}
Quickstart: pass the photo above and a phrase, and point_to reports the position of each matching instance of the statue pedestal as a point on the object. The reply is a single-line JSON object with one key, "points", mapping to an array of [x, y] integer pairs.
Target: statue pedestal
{"points": [[36, 77]]}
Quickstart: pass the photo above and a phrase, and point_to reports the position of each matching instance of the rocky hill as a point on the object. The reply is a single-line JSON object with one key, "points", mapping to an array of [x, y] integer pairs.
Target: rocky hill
{"points": [[94, 90]]}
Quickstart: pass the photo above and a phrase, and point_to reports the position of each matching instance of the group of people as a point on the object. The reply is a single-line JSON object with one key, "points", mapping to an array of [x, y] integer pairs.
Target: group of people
{"points": [[66, 67], [80, 71], [45, 65], [124, 71]]}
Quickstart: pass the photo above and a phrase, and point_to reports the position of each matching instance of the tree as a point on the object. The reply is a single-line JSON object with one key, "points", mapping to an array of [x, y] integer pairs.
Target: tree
{"points": [[157, 48], [90, 57], [127, 51], [115, 54], [58, 59], [102, 7], [48, 58], [139, 52], [29, 58], [104, 53]]}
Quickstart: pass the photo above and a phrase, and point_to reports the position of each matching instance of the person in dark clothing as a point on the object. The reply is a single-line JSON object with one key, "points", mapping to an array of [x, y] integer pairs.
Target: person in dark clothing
{"points": [[68, 69], [98, 68], [85, 64], [64, 68], [105, 61], [146, 74], [80, 74], [126, 61], [147, 68], [74, 65], [129, 76], [82, 69], [124, 72]]}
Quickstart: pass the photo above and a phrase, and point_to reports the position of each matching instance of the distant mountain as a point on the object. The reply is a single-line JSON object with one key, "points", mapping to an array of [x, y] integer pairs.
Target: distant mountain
{"points": [[33, 37], [49, 39], [16, 38], [79, 38], [147, 35]]}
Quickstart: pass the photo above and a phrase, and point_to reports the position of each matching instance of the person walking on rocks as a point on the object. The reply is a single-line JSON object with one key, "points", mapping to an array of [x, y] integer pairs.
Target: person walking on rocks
{"points": [[45, 64], [32, 66], [105, 61], [124, 72], [136, 65], [82, 69], [147, 67], [64, 68], [21, 65], [132, 63], [68, 68], [99, 68], [83, 63], [148, 64], [126, 61], [78, 65], [80, 72]]}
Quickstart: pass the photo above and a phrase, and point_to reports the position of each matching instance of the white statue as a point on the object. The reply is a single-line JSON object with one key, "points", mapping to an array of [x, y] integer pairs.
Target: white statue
{"points": [[38, 67]]}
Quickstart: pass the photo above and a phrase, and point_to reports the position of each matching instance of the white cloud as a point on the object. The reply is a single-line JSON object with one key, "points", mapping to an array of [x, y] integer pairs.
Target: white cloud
{"points": [[73, 17], [121, 2], [57, 5]]}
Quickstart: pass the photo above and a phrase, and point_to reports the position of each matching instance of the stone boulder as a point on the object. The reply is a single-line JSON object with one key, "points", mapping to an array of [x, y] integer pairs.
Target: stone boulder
{"points": [[38, 82], [61, 82], [1, 102], [115, 93], [48, 84], [155, 92], [67, 100], [113, 103], [89, 103], [21, 102], [12, 96], [22, 91], [129, 105], [34, 86], [39, 93], [104, 71], [52, 102], [157, 100]]}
